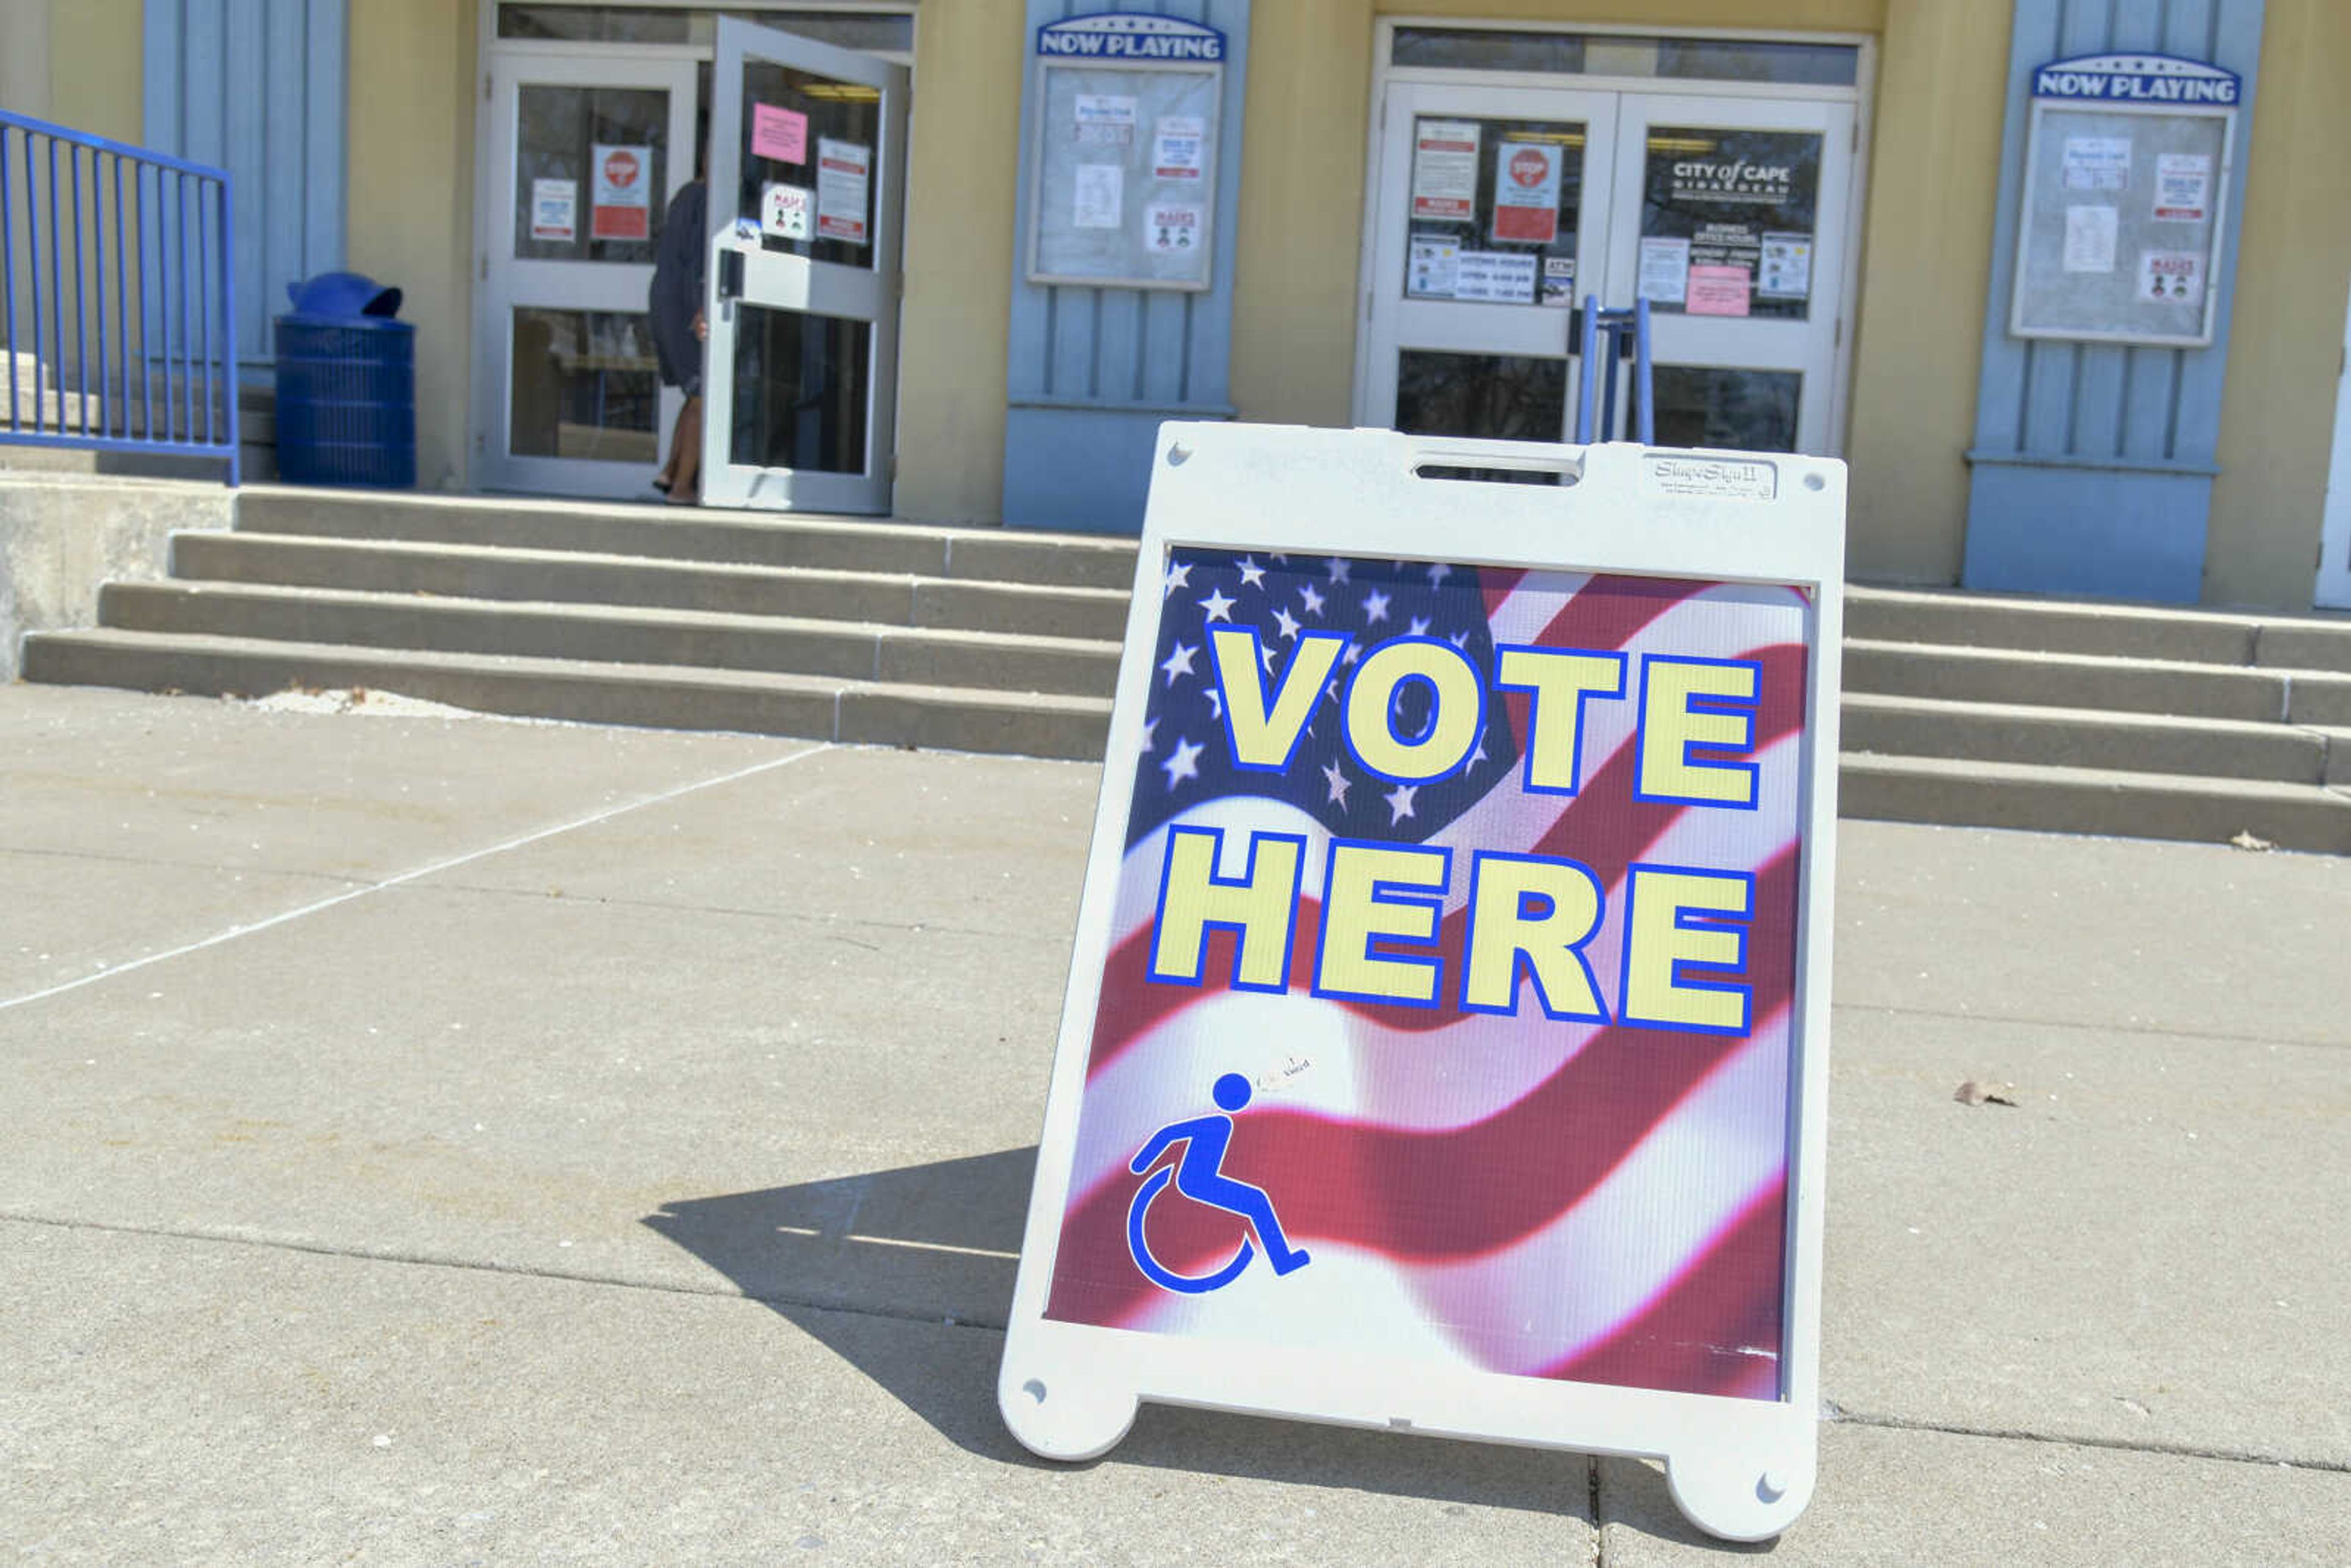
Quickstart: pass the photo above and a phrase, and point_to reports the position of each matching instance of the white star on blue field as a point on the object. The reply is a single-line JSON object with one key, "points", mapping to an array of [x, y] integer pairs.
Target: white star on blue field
{"points": [[1186, 752]]}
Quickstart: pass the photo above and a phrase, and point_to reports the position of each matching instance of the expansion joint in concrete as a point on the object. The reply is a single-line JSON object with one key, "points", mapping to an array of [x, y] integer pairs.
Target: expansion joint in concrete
{"points": [[773, 1301], [2089, 1440], [319, 906]]}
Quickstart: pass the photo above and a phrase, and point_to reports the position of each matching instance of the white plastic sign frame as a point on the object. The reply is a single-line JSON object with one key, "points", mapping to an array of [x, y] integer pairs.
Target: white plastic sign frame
{"points": [[2132, 87], [1739, 1467]]}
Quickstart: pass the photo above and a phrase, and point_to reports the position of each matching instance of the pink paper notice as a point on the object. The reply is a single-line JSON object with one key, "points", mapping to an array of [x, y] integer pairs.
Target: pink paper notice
{"points": [[1719, 291], [778, 133]]}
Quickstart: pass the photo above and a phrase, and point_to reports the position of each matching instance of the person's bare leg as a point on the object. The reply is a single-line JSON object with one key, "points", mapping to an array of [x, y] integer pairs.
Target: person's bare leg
{"points": [[686, 454], [666, 475]]}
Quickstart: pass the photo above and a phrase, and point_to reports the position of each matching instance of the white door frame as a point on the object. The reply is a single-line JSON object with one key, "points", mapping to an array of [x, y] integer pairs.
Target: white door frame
{"points": [[778, 281], [1393, 322], [507, 283], [1861, 95], [488, 377], [2334, 589]]}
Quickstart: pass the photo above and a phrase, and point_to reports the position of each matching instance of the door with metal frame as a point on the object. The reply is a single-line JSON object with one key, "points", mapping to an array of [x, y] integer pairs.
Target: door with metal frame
{"points": [[1490, 226], [807, 180], [2334, 543], [567, 394], [1496, 207], [1730, 219]]}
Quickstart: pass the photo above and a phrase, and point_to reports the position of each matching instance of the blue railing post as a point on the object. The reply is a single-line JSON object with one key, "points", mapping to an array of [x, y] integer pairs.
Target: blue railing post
{"points": [[228, 333], [8, 278], [1643, 384], [189, 281], [1587, 406], [1595, 412]]}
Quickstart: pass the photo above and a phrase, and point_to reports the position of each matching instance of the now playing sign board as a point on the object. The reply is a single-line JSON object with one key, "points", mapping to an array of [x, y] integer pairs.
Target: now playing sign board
{"points": [[1446, 1041]]}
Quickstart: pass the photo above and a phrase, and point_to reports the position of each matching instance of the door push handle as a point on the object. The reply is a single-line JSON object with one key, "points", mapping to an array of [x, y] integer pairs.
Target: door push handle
{"points": [[730, 274]]}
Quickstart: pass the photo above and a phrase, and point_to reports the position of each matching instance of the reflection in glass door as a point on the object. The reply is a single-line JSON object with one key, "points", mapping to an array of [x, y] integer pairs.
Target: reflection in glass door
{"points": [[807, 178], [568, 396]]}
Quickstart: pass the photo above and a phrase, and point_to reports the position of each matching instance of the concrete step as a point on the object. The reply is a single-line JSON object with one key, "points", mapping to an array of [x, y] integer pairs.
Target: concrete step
{"points": [[2315, 641], [657, 697], [686, 533], [2091, 737], [2082, 681], [618, 635], [1972, 793], [464, 571]]}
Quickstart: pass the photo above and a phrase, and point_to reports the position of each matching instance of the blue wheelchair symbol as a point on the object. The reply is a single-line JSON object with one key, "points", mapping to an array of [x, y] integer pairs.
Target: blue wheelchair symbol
{"points": [[1198, 1175]]}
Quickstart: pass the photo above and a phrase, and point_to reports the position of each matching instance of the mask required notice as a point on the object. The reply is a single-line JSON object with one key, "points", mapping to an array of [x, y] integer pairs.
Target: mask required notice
{"points": [[1443, 1046]]}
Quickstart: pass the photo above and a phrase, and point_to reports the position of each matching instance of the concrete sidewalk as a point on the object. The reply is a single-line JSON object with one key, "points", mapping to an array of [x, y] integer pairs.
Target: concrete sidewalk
{"points": [[450, 1141]]}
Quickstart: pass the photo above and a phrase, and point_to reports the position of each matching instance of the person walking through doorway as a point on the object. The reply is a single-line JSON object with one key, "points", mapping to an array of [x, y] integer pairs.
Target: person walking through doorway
{"points": [[681, 268]]}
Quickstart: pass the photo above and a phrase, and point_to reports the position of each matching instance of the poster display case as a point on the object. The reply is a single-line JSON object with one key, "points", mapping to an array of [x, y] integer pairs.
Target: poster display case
{"points": [[2127, 173], [1124, 152]]}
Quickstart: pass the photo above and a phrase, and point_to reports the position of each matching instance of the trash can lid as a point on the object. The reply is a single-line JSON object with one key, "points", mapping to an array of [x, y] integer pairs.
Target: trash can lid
{"points": [[333, 294]]}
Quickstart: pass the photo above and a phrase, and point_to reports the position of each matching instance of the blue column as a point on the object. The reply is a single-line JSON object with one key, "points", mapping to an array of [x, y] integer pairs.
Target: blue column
{"points": [[2093, 462], [1092, 371], [257, 87]]}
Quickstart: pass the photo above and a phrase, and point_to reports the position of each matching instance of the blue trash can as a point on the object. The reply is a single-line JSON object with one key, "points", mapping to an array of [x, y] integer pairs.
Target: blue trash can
{"points": [[346, 385]]}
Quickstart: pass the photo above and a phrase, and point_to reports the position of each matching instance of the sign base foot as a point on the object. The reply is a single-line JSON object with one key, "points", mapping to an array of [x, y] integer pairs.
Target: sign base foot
{"points": [[1057, 1418]]}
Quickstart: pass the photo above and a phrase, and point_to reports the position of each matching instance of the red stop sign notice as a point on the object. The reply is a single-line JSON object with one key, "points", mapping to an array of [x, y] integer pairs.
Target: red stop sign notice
{"points": [[623, 206], [1526, 200]]}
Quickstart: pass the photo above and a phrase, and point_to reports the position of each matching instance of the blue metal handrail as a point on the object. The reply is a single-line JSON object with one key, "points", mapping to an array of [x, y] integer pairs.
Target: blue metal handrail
{"points": [[1595, 408], [169, 256]]}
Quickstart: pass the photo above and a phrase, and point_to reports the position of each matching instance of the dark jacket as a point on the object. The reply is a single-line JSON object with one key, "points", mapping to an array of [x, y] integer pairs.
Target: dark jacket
{"points": [[681, 268]]}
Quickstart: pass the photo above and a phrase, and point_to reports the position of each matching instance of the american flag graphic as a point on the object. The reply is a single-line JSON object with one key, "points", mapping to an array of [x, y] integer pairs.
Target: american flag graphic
{"points": [[1498, 1191]]}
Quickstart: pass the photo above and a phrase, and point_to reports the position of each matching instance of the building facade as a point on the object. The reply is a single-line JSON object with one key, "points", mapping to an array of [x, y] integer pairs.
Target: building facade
{"points": [[2079, 331]]}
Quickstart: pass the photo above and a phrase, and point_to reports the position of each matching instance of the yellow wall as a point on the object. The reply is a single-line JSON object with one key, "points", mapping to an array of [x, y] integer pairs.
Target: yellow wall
{"points": [[962, 175], [1301, 217], [2286, 334], [25, 63], [94, 67], [410, 201], [1934, 188]]}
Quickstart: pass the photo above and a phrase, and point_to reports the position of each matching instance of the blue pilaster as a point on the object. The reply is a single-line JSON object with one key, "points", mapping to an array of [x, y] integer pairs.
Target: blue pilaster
{"points": [[257, 87], [2093, 462], [1092, 371]]}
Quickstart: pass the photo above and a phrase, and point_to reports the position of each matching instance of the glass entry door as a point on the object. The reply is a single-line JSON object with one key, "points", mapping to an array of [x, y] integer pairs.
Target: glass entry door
{"points": [[1731, 221], [1499, 208], [567, 394], [1492, 216], [807, 180]]}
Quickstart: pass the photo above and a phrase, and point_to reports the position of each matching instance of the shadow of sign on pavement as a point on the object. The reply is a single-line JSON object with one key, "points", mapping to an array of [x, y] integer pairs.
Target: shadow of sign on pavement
{"points": [[856, 1261]]}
